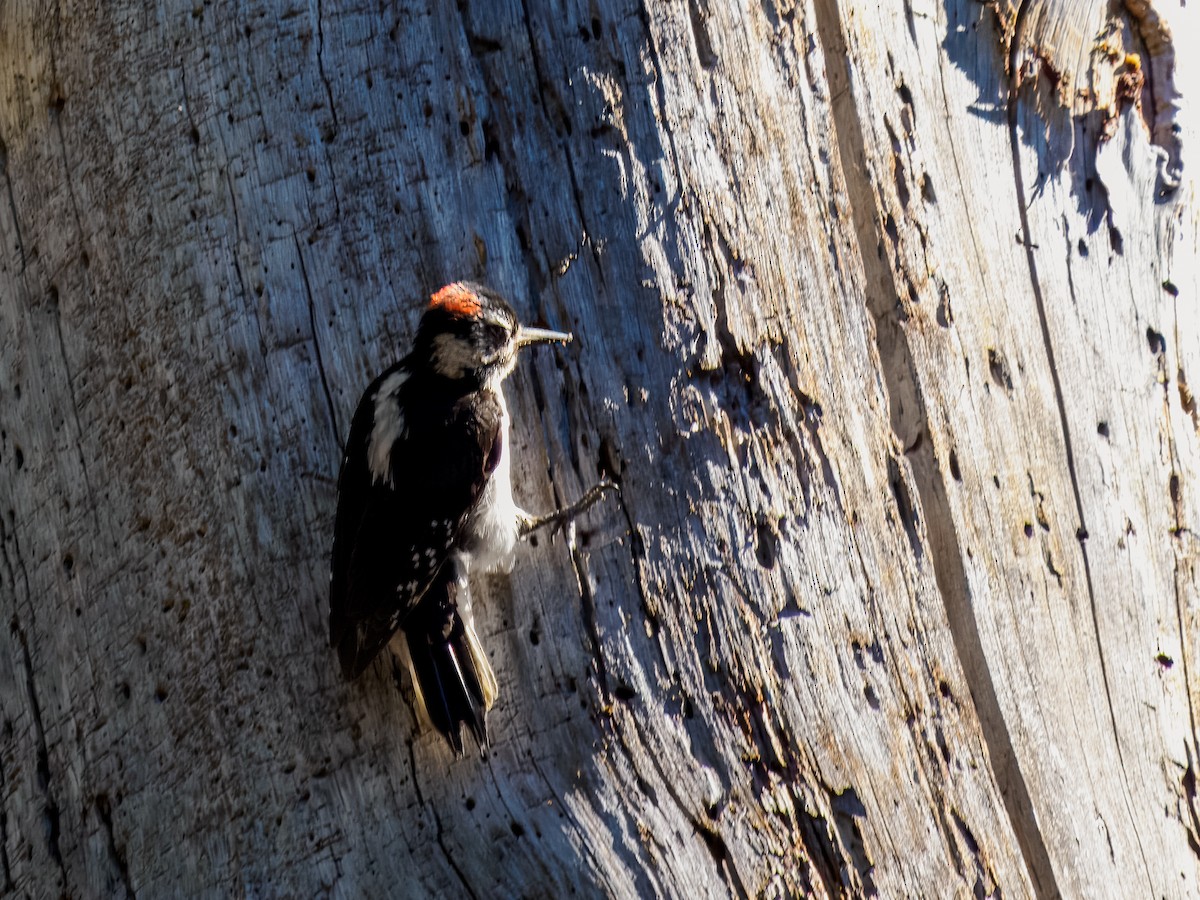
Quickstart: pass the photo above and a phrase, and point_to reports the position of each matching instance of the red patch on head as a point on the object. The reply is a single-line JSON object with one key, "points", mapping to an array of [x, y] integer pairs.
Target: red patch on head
{"points": [[457, 299]]}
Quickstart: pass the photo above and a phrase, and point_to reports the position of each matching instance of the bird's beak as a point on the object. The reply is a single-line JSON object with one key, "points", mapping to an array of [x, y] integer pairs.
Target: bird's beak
{"points": [[540, 336]]}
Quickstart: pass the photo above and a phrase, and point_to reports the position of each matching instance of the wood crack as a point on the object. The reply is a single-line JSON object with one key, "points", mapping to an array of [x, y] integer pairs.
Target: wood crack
{"points": [[1014, 72], [713, 841], [660, 95], [193, 129], [578, 562], [909, 414], [5, 864], [1179, 532], [494, 143], [644, 876], [69, 380], [577, 196], [439, 832], [12, 203], [117, 854], [312, 322], [330, 134], [1189, 797], [588, 608], [45, 781], [56, 119], [569, 815]]}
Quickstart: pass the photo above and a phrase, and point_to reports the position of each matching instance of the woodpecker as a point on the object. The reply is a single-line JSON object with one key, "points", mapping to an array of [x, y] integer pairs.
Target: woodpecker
{"points": [[425, 498]]}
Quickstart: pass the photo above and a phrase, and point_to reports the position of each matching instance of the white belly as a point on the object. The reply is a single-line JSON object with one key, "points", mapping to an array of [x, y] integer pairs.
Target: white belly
{"points": [[493, 531]]}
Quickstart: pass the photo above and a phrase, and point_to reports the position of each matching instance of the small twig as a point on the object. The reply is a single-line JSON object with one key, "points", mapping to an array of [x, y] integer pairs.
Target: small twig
{"points": [[566, 514]]}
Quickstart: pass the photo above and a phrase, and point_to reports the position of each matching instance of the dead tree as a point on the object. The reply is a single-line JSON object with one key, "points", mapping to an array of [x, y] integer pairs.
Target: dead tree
{"points": [[887, 326]]}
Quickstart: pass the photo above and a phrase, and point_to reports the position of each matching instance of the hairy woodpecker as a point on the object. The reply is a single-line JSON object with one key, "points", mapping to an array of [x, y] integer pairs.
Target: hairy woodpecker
{"points": [[425, 497]]}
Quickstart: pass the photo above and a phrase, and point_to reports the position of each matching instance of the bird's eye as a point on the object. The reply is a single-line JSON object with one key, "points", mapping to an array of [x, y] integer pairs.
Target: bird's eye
{"points": [[497, 334]]}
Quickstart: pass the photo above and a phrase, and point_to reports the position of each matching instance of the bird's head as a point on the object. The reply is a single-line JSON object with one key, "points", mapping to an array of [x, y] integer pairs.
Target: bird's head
{"points": [[470, 332]]}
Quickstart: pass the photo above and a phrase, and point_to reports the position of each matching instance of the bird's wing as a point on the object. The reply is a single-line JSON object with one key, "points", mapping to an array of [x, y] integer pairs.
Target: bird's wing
{"points": [[402, 503]]}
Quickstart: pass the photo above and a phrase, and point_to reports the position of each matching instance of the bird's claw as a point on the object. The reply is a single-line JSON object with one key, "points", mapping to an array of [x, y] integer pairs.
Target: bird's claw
{"points": [[562, 519]]}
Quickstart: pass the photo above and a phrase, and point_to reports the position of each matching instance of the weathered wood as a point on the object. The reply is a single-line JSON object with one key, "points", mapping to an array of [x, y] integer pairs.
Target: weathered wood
{"points": [[1040, 372], [886, 325]]}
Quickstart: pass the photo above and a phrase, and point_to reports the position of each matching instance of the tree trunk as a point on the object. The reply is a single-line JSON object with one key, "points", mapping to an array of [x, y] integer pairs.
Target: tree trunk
{"points": [[886, 323]]}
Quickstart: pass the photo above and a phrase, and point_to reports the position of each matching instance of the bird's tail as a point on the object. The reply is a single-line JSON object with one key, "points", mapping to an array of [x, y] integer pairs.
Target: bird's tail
{"points": [[452, 678]]}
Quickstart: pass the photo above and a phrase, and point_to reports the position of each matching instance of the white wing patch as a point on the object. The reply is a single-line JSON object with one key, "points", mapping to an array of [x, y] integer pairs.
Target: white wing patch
{"points": [[388, 427]]}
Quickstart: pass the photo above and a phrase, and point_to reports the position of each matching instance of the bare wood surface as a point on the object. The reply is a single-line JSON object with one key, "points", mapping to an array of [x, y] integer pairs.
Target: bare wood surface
{"points": [[886, 325]]}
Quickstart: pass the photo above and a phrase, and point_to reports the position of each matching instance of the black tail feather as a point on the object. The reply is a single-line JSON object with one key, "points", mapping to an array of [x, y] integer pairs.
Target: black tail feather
{"points": [[453, 681]]}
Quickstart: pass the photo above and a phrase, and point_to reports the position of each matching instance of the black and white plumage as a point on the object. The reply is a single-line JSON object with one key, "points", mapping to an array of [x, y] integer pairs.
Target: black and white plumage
{"points": [[425, 497]]}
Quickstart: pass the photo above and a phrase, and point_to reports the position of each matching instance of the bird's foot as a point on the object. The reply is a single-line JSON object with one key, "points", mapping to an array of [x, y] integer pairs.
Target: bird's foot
{"points": [[561, 517]]}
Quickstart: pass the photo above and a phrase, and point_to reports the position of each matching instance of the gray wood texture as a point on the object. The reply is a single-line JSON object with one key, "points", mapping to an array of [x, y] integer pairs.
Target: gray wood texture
{"points": [[888, 325]]}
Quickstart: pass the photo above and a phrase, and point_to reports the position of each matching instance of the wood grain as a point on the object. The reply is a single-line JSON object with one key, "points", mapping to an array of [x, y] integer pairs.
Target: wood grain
{"points": [[887, 332]]}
